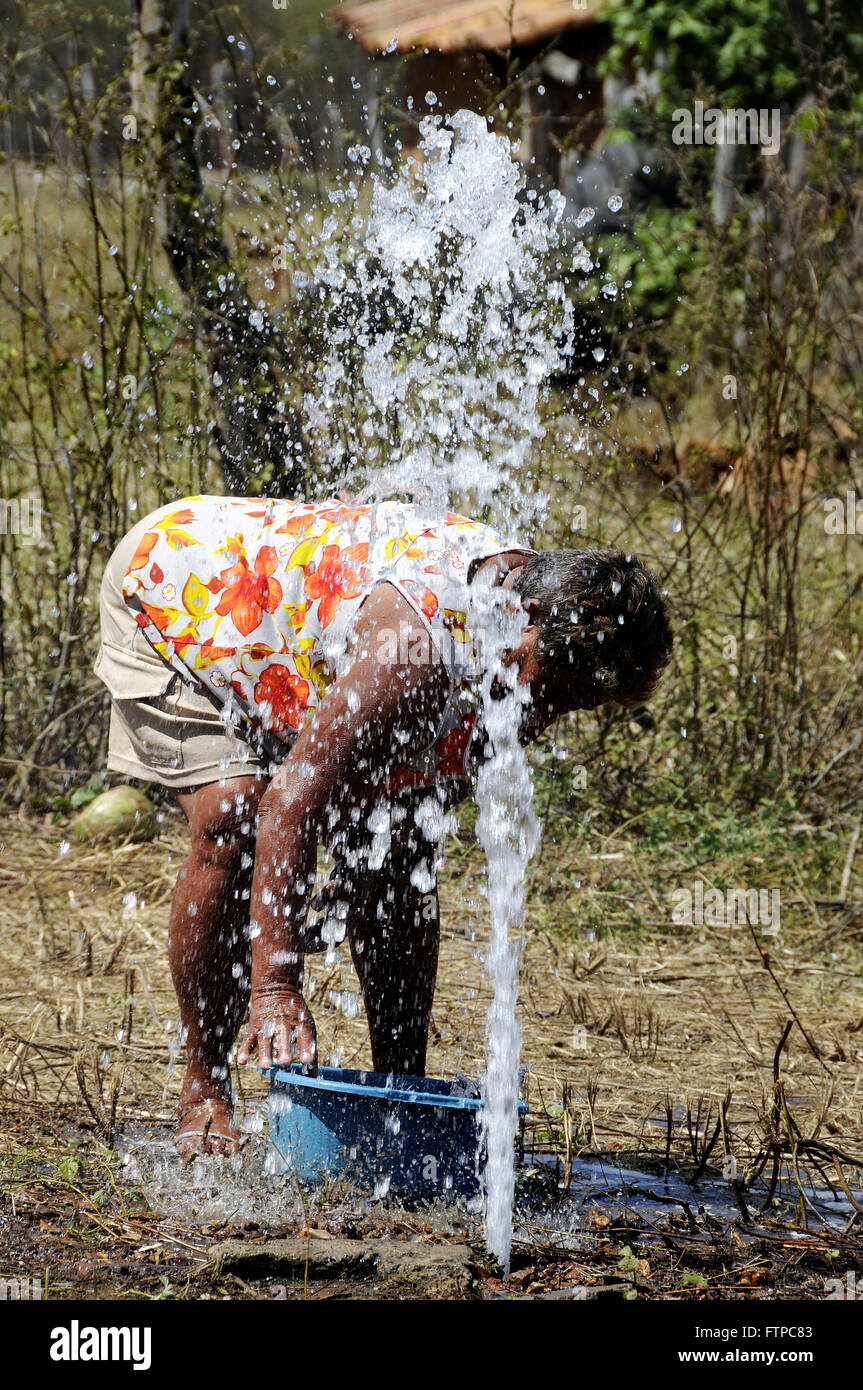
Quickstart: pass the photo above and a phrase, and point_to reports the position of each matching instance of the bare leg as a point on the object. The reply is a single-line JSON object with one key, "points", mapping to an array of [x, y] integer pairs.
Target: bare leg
{"points": [[209, 952], [394, 934]]}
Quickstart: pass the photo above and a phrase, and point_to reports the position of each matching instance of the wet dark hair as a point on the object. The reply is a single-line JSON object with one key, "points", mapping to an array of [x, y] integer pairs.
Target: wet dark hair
{"points": [[600, 614]]}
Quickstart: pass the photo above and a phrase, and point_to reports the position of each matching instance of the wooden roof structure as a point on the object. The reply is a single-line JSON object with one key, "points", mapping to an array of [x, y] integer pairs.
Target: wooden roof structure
{"points": [[453, 26]]}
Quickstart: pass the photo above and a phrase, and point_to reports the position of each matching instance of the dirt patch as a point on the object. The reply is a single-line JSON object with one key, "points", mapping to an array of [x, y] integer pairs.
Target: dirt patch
{"points": [[402, 1269], [88, 1233]]}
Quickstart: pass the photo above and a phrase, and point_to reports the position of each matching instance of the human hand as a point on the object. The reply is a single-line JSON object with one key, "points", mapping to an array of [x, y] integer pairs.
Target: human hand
{"points": [[281, 1017]]}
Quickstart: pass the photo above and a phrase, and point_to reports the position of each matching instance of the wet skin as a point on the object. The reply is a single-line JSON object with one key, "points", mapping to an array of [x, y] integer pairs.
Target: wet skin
{"points": [[251, 839]]}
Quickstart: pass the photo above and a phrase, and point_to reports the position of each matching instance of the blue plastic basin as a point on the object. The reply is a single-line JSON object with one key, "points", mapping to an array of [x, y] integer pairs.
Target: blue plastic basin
{"points": [[406, 1135]]}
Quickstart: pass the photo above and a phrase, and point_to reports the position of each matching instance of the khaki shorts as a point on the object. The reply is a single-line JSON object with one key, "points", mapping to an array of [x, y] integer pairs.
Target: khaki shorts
{"points": [[161, 730], [177, 739]]}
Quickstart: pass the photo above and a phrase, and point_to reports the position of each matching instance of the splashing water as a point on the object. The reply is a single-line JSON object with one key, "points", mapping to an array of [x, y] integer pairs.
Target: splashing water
{"points": [[443, 325], [445, 316], [508, 832]]}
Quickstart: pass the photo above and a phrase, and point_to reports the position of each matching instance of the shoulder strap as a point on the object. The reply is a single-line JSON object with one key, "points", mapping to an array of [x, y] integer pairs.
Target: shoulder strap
{"points": [[266, 743]]}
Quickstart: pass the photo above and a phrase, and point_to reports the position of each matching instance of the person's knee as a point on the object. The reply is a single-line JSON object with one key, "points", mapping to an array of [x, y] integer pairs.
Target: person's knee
{"points": [[222, 821], [231, 853]]}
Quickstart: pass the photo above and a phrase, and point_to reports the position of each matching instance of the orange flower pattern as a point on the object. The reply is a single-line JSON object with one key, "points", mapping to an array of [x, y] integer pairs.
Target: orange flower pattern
{"points": [[281, 697], [334, 579], [248, 594], [256, 597]]}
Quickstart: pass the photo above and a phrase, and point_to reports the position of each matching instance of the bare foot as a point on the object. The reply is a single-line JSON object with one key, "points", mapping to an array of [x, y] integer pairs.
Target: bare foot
{"points": [[205, 1128]]}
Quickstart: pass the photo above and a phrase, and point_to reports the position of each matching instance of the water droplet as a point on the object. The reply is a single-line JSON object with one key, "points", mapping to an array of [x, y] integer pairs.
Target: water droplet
{"points": [[676, 524], [615, 203]]}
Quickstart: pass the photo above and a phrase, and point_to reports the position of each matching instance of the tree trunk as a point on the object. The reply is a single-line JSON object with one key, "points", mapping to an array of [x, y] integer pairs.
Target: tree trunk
{"points": [[255, 426], [728, 170]]}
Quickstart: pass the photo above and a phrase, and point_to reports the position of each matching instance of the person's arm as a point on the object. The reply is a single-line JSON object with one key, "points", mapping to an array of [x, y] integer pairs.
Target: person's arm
{"points": [[362, 729]]}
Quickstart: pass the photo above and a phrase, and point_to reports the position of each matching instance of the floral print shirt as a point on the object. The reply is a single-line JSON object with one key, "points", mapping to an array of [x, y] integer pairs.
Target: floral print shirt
{"points": [[254, 599]]}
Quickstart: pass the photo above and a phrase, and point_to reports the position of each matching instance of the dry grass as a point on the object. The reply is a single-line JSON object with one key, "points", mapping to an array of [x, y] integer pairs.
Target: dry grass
{"points": [[659, 1042]]}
